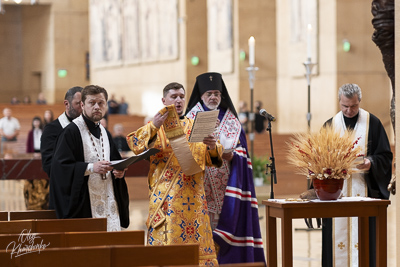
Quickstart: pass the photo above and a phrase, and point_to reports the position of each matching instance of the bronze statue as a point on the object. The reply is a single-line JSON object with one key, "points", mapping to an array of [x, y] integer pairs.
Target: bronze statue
{"points": [[383, 37]]}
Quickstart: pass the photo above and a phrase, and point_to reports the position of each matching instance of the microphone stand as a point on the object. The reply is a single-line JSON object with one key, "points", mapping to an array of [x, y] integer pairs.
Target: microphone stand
{"points": [[271, 166]]}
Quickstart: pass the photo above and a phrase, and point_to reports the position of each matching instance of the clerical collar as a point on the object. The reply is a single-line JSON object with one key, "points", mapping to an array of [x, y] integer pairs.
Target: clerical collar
{"points": [[182, 117], [351, 122], [93, 127], [68, 117]]}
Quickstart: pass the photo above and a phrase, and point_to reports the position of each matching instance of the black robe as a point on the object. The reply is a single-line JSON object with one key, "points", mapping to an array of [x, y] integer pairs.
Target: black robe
{"points": [[48, 142], [69, 192], [377, 180], [121, 144]]}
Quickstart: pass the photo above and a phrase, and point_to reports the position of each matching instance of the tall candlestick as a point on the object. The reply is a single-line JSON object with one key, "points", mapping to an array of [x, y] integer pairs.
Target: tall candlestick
{"points": [[252, 43], [309, 30]]}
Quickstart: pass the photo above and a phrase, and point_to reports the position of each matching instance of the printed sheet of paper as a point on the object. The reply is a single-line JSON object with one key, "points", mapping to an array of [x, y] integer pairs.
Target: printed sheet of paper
{"points": [[124, 163], [204, 125]]}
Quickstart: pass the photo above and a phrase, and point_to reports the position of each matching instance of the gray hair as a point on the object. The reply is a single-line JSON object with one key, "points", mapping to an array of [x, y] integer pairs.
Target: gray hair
{"points": [[349, 90]]}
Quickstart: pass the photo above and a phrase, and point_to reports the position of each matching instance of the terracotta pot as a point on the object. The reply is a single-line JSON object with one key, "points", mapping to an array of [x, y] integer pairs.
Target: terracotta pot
{"points": [[328, 189]]}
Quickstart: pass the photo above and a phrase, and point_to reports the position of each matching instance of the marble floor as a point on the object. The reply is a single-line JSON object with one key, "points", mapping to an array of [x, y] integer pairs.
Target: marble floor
{"points": [[306, 244]]}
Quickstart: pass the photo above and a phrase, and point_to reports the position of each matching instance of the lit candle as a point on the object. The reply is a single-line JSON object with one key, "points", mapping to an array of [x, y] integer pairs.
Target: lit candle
{"points": [[309, 30], [252, 43]]}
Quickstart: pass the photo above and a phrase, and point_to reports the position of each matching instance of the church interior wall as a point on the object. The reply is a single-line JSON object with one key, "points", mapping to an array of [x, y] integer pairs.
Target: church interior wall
{"points": [[196, 40], [55, 35], [37, 41], [37, 51], [41, 39], [11, 55], [258, 19], [292, 52], [362, 65], [142, 83], [70, 30]]}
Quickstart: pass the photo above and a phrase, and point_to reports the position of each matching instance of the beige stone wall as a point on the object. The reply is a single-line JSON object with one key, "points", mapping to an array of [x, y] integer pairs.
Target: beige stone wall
{"points": [[11, 55], [38, 59], [196, 45], [55, 35], [143, 81], [338, 20], [292, 100], [258, 19], [38, 40], [363, 64], [141, 84], [70, 32]]}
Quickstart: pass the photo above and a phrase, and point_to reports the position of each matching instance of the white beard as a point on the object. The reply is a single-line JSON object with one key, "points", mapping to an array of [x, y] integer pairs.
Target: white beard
{"points": [[212, 106]]}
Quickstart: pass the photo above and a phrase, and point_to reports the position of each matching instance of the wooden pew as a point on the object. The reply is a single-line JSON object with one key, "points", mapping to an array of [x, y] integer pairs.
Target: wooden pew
{"points": [[3, 216], [60, 257], [73, 239], [105, 238], [249, 264], [155, 255], [106, 256], [54, 225], [32, 214]]}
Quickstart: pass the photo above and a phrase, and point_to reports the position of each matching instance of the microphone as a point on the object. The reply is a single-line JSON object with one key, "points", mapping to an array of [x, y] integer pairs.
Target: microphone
{"points": [[265, 114]]}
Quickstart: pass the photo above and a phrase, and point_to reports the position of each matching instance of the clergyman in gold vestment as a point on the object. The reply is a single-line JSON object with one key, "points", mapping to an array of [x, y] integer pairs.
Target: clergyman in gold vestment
{"points": [[178, 208]]}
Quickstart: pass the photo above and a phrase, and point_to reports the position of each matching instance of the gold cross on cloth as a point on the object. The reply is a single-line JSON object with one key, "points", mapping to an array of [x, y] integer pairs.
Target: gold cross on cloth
{"points": [[165, 232]]}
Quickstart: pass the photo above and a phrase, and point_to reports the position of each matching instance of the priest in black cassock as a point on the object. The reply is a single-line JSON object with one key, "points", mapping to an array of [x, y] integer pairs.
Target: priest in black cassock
{"points": [[73, 109], [37, 191], [82, 182], [340, 240]]}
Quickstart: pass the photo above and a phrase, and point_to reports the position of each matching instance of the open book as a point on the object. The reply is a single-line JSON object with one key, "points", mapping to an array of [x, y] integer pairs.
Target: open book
{"points": [[124, 163]]}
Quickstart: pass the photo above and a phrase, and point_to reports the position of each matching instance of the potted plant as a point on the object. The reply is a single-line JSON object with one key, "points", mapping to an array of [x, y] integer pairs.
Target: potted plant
{"points": [[259, 166], [326, 157]]}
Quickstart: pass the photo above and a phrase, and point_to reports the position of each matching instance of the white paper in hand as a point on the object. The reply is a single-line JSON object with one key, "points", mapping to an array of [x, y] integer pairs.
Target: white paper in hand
{"points": [[204, 125]]}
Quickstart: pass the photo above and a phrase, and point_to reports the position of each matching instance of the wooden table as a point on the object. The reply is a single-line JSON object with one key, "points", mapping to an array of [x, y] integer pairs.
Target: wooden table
{"points": [[295, 210]]}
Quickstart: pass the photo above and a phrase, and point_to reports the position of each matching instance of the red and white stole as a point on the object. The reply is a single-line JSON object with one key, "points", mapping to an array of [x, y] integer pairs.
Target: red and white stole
{"points": [[216, 179]]}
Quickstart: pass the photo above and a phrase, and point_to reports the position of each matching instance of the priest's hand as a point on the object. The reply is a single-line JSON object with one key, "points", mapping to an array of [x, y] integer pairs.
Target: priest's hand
{"points": [[102, 167], [210, 142], [365, 166], [228, 156], [159, 119], [119, 173]]}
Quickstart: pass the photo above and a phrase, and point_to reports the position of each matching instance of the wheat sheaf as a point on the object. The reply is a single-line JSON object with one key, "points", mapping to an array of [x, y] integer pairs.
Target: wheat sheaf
{"points": [[325, 154]]}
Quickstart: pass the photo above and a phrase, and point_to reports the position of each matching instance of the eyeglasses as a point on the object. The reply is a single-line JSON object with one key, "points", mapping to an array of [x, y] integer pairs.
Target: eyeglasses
{"points": [[216, 94]]}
